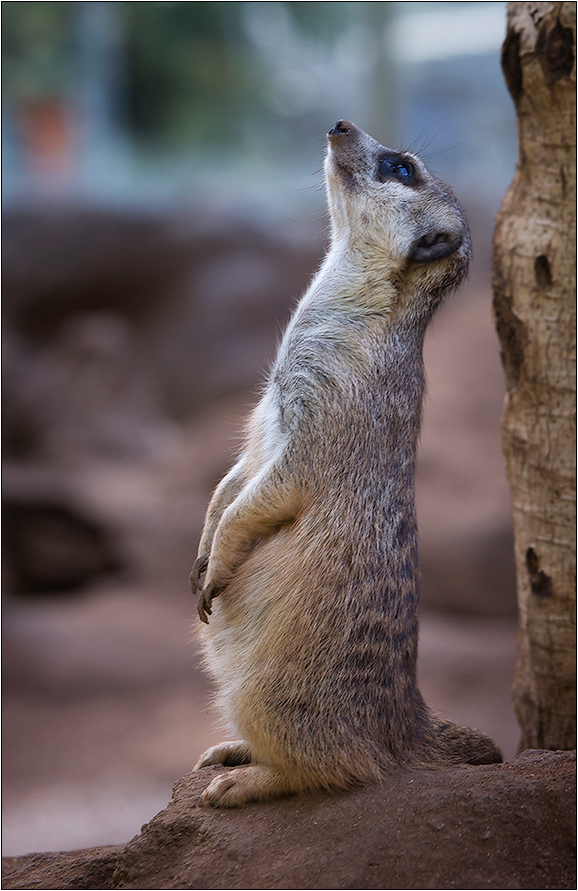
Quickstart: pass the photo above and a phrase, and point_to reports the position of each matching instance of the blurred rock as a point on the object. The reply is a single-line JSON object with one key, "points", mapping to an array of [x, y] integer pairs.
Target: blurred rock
{"points": [[62, 260], [88, 393], [30, 397], [86, 399], [115, 324], [113, 405], [49, 547], [206, 294], [49, 542]]}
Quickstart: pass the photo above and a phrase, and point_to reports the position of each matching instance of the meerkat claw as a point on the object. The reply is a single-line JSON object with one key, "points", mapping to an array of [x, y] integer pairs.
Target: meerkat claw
{"points": [[204, 605], [199, 567], [204, 609], [231, 754]]}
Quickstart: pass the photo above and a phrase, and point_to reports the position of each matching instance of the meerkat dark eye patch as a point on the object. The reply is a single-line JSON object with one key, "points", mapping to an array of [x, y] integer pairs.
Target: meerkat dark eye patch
{"points": [[394, 166], [433, 246]]}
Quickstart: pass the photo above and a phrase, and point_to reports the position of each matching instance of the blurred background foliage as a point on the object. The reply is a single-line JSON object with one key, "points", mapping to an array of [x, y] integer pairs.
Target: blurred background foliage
{"points": [[136, 101]]}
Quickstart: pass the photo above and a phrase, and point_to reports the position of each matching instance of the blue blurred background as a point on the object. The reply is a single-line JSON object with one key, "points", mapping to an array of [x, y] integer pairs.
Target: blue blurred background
{"points": [[163, 210], [146, 103]]}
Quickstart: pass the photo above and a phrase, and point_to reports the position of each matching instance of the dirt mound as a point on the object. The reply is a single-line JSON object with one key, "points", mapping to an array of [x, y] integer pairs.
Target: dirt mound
{"points": [[504, 826]]}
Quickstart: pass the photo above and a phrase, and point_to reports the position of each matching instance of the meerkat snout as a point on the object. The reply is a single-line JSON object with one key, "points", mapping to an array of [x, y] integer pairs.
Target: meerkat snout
{"points": [[340, 128], [385, 205]]}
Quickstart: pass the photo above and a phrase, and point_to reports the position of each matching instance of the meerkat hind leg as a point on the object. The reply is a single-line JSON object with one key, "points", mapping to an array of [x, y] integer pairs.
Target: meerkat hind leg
{"points": [[228, 753], [253, 782]]}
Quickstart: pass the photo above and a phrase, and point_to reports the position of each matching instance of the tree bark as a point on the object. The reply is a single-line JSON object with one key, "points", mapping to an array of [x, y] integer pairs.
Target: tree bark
{"points": [[535, 312]]}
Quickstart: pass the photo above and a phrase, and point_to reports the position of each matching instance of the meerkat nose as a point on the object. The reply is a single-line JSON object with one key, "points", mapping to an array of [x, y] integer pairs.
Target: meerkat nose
{"points": [[342, 128]]}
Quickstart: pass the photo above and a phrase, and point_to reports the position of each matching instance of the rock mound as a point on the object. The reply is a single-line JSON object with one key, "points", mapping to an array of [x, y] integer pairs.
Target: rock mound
{"points": [[501, 826]]}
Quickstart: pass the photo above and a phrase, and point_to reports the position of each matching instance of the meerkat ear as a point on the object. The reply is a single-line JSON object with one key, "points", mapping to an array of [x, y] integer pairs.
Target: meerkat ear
{"points": [[433, 246]]}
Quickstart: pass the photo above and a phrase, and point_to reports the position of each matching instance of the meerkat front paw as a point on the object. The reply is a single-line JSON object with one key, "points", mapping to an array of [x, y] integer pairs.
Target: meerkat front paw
{"points": [[206, 597], [199, 567], [228, 753], [255, 782]]}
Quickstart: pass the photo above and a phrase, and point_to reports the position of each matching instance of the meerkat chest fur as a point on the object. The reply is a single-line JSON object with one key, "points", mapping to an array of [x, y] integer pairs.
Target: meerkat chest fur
{"points": [[309, 544], [342, 410], [346, 393]]}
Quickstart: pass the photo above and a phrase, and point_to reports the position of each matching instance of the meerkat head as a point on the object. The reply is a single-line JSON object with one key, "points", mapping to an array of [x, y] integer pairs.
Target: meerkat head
{"points": [[389, 212]]}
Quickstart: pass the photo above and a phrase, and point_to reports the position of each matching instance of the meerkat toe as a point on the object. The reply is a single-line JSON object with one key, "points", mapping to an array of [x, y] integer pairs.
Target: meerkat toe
{"points": [[204, 609], [204, 606], [206, 597], [222, 792], [199, 567], [254, 782], [228, 753]]}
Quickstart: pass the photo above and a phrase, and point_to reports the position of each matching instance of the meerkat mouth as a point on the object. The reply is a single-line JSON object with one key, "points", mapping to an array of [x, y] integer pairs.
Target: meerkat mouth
{"points": [[434, 246], [340, 169]]}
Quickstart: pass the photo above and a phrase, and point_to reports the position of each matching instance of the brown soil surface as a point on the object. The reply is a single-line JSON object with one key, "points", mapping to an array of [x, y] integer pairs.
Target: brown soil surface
{"points": [[499, 826]]}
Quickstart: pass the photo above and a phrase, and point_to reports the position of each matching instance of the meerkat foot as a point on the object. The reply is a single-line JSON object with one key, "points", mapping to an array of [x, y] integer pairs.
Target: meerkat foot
{"points": [[199, 567], [228, 753], [255, 782]]}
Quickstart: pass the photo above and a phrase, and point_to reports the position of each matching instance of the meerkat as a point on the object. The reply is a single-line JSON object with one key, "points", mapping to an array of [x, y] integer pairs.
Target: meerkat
{"points": [[309, 549]]}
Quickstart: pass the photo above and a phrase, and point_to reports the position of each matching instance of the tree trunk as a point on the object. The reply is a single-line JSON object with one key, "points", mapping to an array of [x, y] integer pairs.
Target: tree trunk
{"points": [[535, 312]]}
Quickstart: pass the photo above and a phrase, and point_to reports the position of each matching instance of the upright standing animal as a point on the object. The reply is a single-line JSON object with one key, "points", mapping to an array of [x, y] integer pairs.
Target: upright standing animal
{"points": [[309, 542]]}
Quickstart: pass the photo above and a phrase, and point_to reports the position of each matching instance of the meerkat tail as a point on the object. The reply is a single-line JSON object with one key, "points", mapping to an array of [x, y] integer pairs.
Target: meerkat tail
{"points": [[464, 745]]}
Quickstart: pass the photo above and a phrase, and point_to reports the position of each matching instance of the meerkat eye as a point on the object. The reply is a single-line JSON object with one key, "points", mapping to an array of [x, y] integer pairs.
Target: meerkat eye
{"points": [[403, 170], [393, 167]]}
